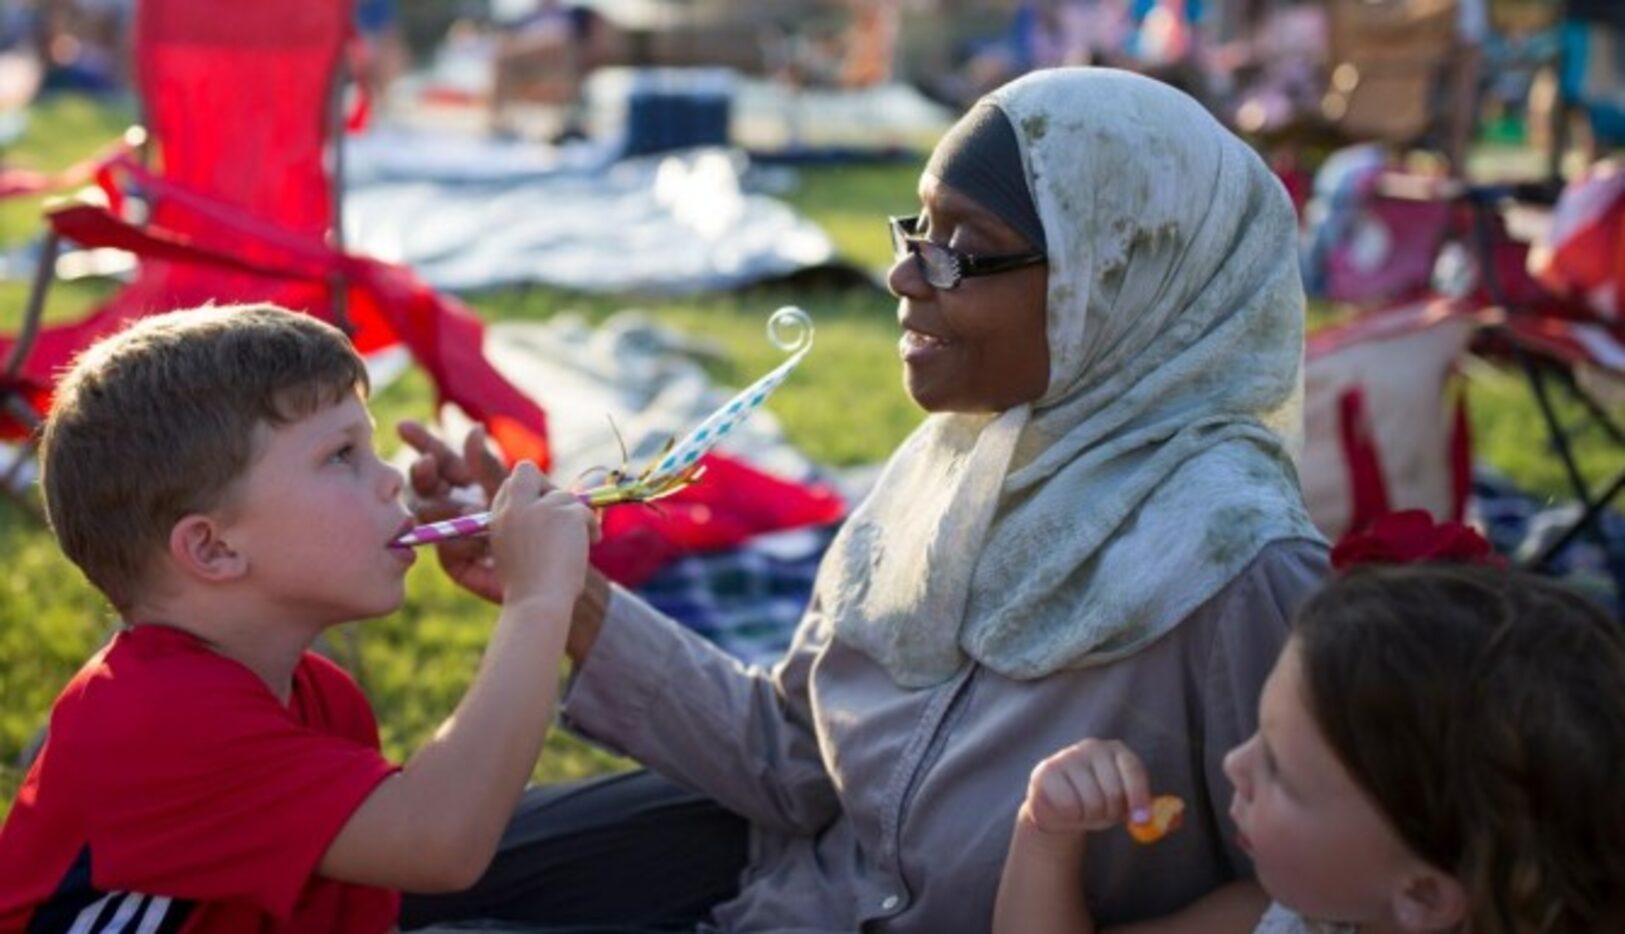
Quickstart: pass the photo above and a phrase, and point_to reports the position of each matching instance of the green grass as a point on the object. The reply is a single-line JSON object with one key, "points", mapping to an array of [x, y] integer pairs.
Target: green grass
{"points": [[844, 407]]}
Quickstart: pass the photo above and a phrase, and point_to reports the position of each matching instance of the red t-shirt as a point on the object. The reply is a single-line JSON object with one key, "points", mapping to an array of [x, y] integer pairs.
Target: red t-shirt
{"points": [[176, 793]]}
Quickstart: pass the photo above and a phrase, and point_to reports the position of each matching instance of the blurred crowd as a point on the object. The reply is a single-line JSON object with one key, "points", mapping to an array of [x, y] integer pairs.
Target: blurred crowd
{"points": [[1289, 73]]}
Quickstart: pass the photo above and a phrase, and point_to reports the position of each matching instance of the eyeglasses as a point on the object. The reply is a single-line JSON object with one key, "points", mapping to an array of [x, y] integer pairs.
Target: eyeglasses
{"points": [[944, 266]]}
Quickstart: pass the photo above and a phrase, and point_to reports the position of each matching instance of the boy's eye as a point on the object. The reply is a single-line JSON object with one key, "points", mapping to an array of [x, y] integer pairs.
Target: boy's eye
{"points": [[343, 455]]}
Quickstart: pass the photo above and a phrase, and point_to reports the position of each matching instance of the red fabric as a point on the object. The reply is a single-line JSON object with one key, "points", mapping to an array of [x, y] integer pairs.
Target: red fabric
{"points": [[1388, 256], [17, 182], [1366, 486], [173, 771], [1585, 260], [239, 104], [1298, 182], [385, 304], [360, 58], [1412, 537], [1570, 342], [728, 505]]}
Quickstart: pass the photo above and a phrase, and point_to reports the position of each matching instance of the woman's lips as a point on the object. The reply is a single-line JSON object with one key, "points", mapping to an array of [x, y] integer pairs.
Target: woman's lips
{"points": [[918, 346]]}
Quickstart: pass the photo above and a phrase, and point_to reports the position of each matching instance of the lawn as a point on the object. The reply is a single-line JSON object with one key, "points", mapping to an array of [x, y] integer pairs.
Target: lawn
{"points": [[843, 407]]}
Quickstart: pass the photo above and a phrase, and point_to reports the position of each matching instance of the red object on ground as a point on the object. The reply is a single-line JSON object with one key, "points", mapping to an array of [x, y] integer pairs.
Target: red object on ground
{"points": [[1412, 536]]}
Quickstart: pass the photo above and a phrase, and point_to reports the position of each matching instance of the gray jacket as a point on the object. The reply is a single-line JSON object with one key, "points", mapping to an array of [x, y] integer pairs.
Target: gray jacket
{"points": [[878, 808]]}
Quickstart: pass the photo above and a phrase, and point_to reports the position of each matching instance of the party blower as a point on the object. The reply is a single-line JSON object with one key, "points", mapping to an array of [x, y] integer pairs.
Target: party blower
{"points": [[790, 329]]}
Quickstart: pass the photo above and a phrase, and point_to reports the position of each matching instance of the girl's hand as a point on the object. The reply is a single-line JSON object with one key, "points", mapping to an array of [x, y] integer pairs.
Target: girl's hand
{"points": [[1093, 785]]}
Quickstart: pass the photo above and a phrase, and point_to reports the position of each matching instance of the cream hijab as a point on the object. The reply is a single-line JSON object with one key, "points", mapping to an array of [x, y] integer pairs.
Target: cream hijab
{"points": [[1075, 530]]}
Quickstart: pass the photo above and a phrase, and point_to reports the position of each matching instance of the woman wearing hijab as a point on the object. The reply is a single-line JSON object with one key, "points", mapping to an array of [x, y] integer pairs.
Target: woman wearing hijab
{"points": [[1097, 531]]}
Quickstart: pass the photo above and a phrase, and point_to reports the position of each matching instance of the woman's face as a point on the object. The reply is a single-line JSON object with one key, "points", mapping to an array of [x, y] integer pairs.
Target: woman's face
{"points": [[981, 346]]}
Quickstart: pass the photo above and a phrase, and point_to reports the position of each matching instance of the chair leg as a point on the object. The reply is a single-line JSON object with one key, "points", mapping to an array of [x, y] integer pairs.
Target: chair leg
{"points": [[10, 478], [1592, 507], [1554, 427], [1599, 414], [34, 311], [1586, 523]]}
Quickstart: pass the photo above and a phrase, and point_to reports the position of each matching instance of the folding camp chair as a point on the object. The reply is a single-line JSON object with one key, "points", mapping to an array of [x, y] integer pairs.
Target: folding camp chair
{"points": [[1516, 321], [20, 403], [1552, 338]]}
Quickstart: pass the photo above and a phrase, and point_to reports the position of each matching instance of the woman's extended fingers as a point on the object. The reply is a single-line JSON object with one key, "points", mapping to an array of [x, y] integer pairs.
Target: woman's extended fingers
{"points": [[437, 467], [439, 470], [482, 463]]}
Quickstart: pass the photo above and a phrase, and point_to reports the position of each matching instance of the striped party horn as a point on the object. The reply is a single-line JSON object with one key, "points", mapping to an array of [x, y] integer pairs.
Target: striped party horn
{"points": [[461, 527], [679, 466], [475, 523], [716, 426]]}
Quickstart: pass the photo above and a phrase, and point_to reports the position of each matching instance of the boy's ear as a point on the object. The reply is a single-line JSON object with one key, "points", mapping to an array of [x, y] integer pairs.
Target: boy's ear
{"points": [[1429, 900], [198, 549]]}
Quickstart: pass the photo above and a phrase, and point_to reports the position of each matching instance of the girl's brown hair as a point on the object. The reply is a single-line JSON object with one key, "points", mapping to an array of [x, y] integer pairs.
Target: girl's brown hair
{"points": [[1484, 713]]}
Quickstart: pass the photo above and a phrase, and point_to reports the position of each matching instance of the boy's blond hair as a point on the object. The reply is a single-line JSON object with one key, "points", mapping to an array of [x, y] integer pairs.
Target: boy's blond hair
{"points": [[158, 422]]}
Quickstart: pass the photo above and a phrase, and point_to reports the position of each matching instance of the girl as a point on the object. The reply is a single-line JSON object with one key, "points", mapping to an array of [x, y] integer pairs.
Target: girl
{"points": [[1439, 749]]}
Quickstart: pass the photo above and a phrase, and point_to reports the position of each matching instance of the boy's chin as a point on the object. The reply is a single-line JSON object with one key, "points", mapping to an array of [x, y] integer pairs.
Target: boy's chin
{"points": [[379, 609]]}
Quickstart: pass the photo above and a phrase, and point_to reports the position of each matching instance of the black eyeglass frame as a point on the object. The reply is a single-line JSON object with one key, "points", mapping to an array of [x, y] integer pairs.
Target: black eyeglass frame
{"points": [[964, 265]]}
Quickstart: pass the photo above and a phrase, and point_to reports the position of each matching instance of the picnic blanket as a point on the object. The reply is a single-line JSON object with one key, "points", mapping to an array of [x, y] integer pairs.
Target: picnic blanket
{"points": [[1520, 524], [748, 600], [659, 225]]}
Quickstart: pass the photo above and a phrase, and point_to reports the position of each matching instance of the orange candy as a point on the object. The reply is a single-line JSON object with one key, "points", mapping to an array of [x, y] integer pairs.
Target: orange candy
{"points": [[1166, 813]]}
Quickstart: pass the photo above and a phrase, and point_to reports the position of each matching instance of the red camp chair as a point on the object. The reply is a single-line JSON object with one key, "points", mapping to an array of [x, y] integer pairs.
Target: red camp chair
{"points": [[1548, 337]]}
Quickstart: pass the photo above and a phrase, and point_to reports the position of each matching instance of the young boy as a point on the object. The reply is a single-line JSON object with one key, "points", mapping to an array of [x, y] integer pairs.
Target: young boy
{"points": [[212, 472]]}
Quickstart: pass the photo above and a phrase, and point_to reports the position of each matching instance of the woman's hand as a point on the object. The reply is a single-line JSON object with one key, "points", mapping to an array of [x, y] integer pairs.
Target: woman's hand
{"points": [[1093, 785], [435, 477]]}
